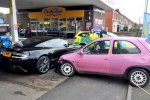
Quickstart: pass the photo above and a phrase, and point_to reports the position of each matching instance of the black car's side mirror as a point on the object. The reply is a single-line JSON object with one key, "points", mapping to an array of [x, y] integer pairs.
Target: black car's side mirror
{"points": [[70, 43], [66, 45]]}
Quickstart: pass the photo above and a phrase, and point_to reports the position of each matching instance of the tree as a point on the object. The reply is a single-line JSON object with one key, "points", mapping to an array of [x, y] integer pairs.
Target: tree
{"points": [[125, 28]]}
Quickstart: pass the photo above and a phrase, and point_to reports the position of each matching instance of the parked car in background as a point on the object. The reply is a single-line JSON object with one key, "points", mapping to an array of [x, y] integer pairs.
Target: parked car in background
{"points": [[55, 33], [36, 54], [125, 56], [83, 37]]}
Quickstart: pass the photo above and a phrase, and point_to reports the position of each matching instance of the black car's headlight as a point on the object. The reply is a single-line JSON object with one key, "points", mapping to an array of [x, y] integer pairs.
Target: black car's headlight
{"points": [[20, 55]]}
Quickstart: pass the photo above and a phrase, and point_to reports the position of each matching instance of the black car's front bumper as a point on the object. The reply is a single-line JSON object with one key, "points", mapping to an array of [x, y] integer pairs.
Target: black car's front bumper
{"points": [[26, 64]]}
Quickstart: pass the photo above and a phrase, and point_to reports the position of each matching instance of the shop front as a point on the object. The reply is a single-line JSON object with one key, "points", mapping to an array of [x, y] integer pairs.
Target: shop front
{"points": [[64, 19]]}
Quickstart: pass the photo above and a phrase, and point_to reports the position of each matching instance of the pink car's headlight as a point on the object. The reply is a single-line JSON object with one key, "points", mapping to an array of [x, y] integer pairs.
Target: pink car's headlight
{"points": [[60, 60]]}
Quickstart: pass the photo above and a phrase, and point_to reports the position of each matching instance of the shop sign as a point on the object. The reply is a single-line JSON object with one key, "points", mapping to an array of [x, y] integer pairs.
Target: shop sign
{"points": [[53, 11]]}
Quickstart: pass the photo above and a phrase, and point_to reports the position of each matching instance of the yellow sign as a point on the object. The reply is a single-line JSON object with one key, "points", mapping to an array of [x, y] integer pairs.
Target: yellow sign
{"points": [[10, 7], [53, 11]]}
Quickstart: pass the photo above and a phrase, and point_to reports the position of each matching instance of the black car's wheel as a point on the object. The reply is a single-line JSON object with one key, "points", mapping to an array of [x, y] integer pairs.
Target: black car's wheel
{"points": [[43, 65], [67, 69], [139, 77]]}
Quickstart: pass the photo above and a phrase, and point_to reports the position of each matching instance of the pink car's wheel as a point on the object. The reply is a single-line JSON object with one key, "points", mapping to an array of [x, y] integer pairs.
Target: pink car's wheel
{"points": [[139, 77], [67, 69]]}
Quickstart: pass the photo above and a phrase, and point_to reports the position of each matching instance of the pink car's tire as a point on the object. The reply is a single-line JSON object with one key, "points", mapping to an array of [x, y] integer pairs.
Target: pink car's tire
{"points": [[67, 69], [139, 77]]}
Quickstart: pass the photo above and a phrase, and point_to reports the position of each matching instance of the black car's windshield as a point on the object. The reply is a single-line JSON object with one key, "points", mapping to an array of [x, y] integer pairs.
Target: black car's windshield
{"points": [[28, 42]]}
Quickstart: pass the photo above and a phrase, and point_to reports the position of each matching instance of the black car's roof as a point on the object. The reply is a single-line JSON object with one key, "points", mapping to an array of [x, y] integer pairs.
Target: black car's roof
{"points": [[43, 38], [29, 42]]}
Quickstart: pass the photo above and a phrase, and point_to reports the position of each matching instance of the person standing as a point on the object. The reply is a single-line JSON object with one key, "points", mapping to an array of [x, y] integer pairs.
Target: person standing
{"points": [[93, 35], [102, 32]]}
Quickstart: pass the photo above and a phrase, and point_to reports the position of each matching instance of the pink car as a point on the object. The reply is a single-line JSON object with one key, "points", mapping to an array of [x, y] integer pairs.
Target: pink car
{"points": [[125, 56]]}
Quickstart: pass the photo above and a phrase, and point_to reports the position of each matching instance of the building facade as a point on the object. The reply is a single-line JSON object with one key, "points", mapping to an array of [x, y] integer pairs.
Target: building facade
{"points": [[115, 21], [66, 19]]}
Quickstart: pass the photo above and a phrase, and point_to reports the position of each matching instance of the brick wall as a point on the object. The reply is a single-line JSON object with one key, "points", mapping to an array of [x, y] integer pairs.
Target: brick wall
{"points": [[108, 20]]}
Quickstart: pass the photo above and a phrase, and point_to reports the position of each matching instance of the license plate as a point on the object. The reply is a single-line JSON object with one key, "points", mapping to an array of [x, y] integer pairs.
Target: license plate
{"points": [[7, 54]]}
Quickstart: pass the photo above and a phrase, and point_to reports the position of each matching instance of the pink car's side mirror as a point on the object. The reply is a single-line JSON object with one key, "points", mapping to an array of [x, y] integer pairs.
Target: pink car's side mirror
{"points": [[80, 52]]}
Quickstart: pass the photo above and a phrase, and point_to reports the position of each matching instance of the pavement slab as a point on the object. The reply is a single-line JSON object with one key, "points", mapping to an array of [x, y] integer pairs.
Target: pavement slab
{"points": [[16, 86]]}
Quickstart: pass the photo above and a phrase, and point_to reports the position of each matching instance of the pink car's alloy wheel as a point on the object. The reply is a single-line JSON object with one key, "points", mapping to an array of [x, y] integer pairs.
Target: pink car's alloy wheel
{"points": [[139, 77], [67, 69]]}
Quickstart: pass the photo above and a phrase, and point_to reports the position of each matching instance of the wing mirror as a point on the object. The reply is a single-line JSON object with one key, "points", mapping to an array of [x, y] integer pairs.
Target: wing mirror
{"points": [[80, 52], [66, 45], [70, 43]]}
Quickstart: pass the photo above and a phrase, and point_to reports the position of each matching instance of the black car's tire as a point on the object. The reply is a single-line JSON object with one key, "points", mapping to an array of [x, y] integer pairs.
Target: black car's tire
{"points": [[43, 65], [139, 77], [67, 69]]}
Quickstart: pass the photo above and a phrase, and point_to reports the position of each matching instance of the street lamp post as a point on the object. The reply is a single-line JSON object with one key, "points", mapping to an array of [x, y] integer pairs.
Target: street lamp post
{"points": [[13, 20], [146, 5]]}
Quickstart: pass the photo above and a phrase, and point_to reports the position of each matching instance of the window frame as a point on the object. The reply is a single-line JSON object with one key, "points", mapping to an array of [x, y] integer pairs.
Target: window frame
{"points": [[94, 45], [128, 42]]}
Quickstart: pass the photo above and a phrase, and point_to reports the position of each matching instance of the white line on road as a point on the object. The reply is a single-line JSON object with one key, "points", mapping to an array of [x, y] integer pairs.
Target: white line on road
{"points": [[129, 92]]}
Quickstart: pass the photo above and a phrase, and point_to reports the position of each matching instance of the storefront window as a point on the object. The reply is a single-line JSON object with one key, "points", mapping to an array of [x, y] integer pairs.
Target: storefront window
{"points": [[62, 24], [80, 23], [40, 25], [33, 25], [54, 24], [67, 25], [70, 24], [46, 24]]}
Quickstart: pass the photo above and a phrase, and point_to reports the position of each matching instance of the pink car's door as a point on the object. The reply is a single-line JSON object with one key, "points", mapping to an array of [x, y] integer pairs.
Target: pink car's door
{"points": [[95, 57], [124, 55]]}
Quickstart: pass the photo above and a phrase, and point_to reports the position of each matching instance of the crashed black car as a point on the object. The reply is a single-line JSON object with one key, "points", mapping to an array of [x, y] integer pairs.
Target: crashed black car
{"points": [[36, 54]]}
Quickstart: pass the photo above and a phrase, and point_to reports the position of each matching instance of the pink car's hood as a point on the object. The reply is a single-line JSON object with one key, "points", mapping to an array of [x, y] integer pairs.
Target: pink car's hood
{"points": [[69, 57]]}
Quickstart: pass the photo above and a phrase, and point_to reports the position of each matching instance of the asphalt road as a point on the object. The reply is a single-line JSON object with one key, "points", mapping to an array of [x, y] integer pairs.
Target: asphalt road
{"points": [[89, 88]]}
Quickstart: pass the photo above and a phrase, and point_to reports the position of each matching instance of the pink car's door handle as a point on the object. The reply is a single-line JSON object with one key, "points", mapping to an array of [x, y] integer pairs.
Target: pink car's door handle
{"points": [[105, 58]]}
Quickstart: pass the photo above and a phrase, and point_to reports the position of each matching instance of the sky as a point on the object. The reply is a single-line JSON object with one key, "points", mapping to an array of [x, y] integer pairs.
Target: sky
{"points": [[133, 9]]}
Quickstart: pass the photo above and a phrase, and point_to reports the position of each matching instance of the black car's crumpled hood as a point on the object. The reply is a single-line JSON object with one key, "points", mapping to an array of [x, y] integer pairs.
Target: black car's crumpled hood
{"points": [[17, 49]]}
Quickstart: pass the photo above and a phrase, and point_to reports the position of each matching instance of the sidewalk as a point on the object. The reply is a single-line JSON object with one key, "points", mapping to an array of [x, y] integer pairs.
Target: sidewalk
{"points": [[138, 94], [15, 86]]}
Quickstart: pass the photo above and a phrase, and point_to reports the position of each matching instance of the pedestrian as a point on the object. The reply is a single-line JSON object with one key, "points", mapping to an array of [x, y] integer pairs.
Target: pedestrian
{"points": [[102, 32], [93, 35], [28, 32]]}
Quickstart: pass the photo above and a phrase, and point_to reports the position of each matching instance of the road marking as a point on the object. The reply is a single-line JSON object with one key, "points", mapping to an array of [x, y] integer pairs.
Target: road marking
{"points": [[129, 92]]}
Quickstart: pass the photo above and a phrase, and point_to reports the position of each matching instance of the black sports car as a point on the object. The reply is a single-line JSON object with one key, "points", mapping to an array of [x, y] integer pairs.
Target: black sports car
{"points": [[36, 54]]}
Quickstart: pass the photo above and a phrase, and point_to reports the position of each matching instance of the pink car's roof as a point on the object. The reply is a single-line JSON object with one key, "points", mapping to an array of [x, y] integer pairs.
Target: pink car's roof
{"points": [[121, 38]]}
